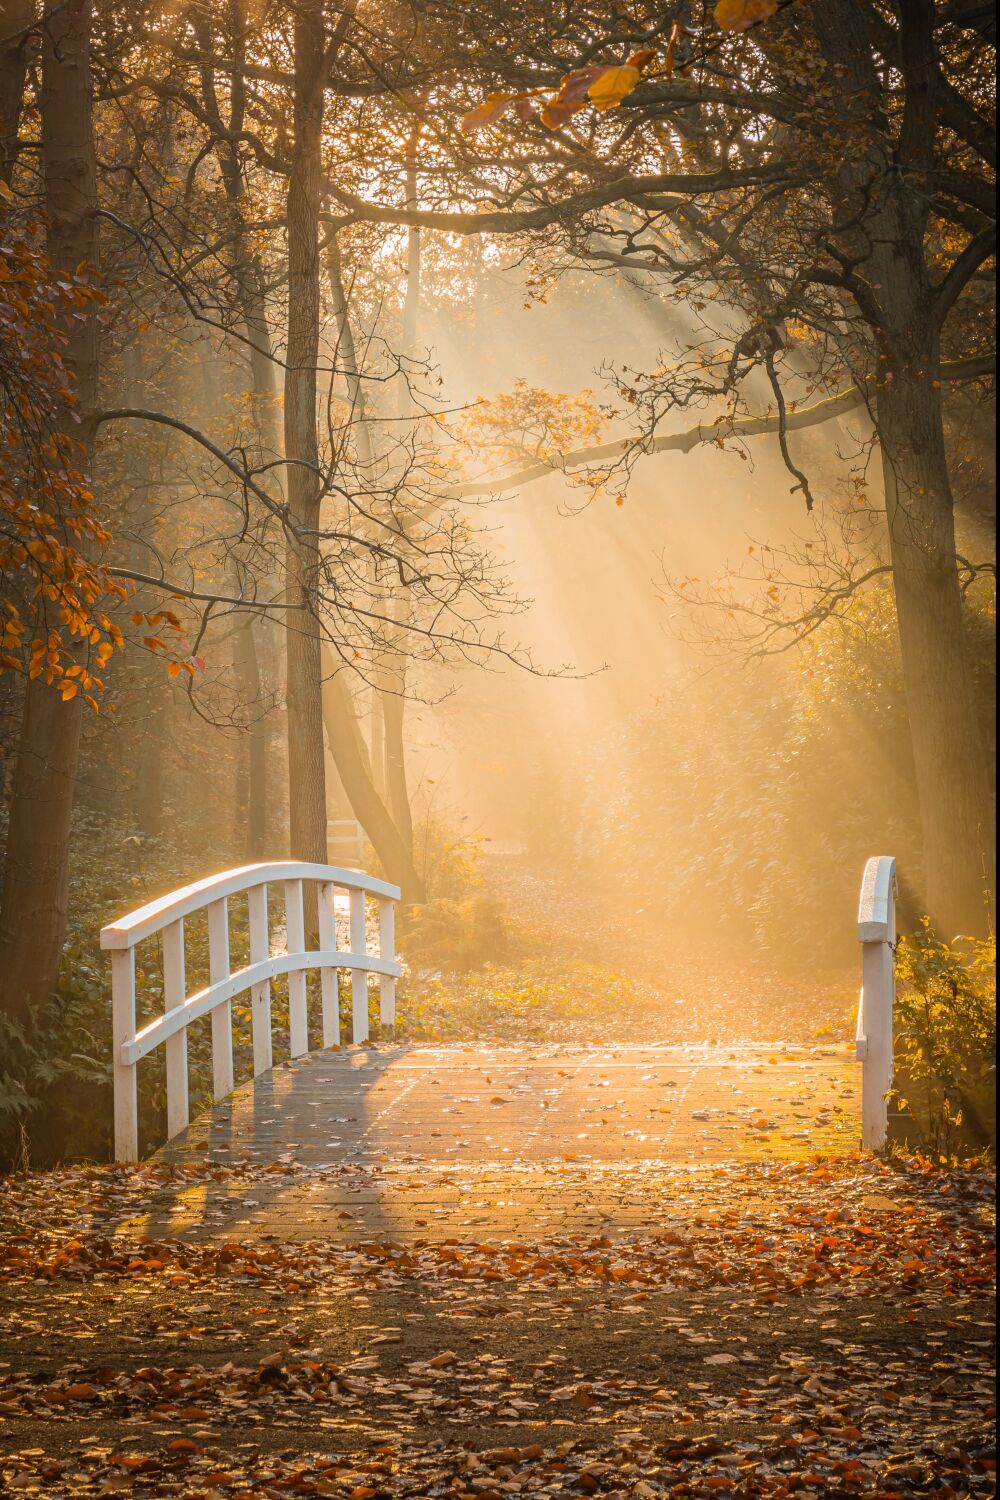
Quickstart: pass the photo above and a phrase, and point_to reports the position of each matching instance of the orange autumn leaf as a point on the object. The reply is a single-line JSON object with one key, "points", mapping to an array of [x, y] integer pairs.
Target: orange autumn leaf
{"points": [[608, 91], [559, 112], [487, 113], [46, 543], [740, 15]]}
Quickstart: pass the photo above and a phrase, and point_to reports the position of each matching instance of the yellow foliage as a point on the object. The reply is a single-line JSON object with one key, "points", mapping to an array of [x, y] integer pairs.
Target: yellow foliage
{"points": [[608, 91], [528, 422], [740, 15]]}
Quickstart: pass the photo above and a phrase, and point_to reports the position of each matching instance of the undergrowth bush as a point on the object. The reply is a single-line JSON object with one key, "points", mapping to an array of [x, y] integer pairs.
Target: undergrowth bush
{"points": [[559, 1000], [459, 926], [739, 809], [945, 1039]]}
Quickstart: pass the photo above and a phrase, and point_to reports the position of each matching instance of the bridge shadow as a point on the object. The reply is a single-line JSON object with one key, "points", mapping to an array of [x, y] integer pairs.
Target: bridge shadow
{"points": [[415, 1142], [302, 1129]]}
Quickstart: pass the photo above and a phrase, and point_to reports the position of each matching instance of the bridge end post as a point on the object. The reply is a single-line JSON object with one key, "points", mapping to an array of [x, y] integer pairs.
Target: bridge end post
{"points": [[295, 942], [124, 1074], [175, 1047], [874, 1045], [260, 994], [222, 1016]]}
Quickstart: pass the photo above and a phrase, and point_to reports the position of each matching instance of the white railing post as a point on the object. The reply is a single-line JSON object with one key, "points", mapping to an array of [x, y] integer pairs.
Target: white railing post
{"points": [[359, 977], [260, 994], [222, 1016], [175, 1047], [124, 1074], [328, 977], [295, 930], [387, 949], [873, 1043]]}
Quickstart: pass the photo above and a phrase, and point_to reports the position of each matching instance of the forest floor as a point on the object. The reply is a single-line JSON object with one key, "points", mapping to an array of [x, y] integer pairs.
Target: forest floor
{"points": [[740, 1305], [573, 966]]}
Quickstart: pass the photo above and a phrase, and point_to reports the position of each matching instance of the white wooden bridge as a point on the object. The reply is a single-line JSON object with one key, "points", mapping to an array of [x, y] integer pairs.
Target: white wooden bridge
{"points": [[344, 1103]]}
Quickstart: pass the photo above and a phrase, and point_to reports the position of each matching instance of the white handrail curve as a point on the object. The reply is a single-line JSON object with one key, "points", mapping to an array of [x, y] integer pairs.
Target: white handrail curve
{"points": [[166, 916], [873, 1038]]}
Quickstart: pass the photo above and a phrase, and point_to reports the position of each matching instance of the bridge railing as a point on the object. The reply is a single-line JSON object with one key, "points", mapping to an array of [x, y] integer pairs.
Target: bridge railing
{"points": [[873, 1040], [165, 917]]}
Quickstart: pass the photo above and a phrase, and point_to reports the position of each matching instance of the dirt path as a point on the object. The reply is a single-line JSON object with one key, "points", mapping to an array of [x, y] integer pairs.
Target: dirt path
{"points": [[577, 968], [768, 1328]]}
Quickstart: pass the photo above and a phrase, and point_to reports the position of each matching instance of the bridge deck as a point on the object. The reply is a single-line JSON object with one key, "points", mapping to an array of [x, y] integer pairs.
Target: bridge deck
{"points": [[432, 1142]]}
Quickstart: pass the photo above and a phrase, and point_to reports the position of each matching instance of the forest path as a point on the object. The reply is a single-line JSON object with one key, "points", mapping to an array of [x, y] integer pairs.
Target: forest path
{"points": [[408, 1142], [627, 979], [772, 1328], [563, 1264]]}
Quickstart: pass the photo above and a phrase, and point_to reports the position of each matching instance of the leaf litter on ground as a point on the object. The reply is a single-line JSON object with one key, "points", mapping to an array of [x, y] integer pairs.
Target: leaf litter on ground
{"points": [[774, 1328]]}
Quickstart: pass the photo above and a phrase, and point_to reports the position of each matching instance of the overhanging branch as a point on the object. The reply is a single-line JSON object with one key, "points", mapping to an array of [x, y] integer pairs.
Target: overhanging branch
{"points": [[709, 432]]}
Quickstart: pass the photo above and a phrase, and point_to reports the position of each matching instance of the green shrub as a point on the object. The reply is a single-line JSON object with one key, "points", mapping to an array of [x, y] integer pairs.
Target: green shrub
{"points": [[945, 1038]]}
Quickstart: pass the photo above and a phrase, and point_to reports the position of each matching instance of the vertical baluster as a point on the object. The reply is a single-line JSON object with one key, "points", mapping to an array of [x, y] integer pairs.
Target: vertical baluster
{"points": [[260, 994], [174, 994], [295, 927], [359, 977], [327, 976], [222, 1016], [123, 1031], [387, 949]]}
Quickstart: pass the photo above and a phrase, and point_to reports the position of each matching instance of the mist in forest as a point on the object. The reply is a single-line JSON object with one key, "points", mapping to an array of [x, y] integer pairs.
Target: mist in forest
{"points": [[619, 763], [634, 752]]}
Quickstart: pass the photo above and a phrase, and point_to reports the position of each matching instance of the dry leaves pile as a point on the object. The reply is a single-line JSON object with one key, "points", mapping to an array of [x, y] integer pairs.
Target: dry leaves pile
{"points": [[807, 1244], [779, 1329]]}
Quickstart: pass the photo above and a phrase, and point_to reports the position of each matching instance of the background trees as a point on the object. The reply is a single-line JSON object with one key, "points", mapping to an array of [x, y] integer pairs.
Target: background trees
{"points": [[823, 176], [257, 319]]}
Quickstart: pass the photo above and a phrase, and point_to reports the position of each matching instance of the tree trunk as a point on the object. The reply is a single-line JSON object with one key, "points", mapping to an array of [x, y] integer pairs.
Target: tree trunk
{"points": [[14, 53], [148, 792], [257, 655], [953, 782], [254, 836], [387, 754], [347, 747], [377, 746], [306, 779], [149, 722], [884, 212], [33, 909], [394, 669], [393, 709]]}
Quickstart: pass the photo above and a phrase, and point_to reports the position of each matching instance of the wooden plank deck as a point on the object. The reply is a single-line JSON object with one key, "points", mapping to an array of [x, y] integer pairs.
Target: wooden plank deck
{"points": [[405, 1142]]}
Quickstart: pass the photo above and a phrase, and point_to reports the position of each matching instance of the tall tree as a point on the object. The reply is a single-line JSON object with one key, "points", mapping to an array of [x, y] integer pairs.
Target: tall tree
{"points": [[33, 907], [306, 772], [15, 50]]}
